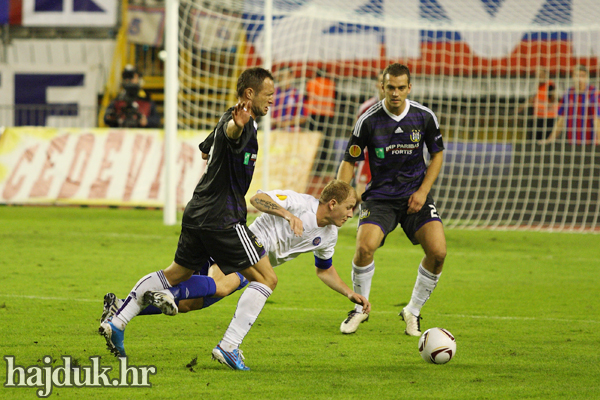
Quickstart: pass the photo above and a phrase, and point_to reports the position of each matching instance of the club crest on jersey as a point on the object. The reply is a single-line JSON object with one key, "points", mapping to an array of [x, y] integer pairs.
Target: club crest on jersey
{"points": [[415, 136], [355, 150], [364, 213], [316, 241], [257, 242]]}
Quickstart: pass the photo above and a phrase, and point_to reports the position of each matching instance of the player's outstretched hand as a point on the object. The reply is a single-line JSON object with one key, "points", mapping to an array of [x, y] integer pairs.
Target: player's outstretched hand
{"points": [[295, 224], [241, 113], [361, 300]]}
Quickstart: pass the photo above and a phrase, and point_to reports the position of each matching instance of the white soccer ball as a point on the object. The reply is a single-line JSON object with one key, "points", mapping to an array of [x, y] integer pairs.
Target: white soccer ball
{"points": [[437, 346]]}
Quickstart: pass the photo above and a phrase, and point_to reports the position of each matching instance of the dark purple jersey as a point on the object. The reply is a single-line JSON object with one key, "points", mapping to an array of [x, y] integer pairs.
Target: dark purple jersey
{"points": [[219, 198], [395, 145]]}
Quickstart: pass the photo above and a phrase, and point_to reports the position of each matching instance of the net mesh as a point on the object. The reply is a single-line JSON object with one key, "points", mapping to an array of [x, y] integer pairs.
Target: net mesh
{"points": [[480, 65]]}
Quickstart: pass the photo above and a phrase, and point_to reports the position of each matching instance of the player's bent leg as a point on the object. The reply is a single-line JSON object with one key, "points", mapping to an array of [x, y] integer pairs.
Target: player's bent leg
{"points": [[368, 239], [176, 273], [191, 305], [134, 302], [261, 272], [263, 281], [226, 284], [432, 239]]}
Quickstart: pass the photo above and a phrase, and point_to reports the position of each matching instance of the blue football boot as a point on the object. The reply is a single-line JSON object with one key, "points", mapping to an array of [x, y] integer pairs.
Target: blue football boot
{"points": [[233, 359]]}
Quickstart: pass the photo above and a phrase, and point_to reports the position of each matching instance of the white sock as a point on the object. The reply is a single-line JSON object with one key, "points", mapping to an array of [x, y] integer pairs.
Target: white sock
{"points": [[426, 282], [249, 305], [133, 303], [361, 279]]}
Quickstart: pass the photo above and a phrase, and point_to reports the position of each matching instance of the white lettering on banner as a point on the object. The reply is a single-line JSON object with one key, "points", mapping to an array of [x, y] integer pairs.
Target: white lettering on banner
{"points": [[106, 166]]}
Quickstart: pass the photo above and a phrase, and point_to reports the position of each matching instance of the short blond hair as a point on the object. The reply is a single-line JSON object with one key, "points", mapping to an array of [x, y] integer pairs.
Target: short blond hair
{"points": [[338, 190]]}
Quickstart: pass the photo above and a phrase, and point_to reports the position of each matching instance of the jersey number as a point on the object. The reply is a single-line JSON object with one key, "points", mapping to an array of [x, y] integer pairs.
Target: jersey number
{"points": [[434, 213]]}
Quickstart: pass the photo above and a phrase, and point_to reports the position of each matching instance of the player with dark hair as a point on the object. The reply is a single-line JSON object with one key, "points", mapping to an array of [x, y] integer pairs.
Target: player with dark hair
{"points": [[320, 220], [395, 131], [214, 220]]}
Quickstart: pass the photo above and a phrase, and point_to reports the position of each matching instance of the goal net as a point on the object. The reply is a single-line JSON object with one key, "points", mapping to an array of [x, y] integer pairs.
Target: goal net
{"points": [[494, 71]]}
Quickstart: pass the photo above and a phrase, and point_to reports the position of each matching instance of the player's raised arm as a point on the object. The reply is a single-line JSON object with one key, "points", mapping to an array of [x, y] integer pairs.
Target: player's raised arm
{"points": [[264, 203], [240, 117], [330, 277]]}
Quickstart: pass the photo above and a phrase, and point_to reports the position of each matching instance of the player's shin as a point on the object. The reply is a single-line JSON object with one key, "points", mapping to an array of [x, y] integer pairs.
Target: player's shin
{"points": [[209, 301], [249, 306], [195, 287], [424, 286], [361, 279], [135, 301]]}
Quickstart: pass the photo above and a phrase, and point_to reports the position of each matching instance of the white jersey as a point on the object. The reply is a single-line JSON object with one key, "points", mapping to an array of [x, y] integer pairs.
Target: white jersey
{"points": [[278, 238]]}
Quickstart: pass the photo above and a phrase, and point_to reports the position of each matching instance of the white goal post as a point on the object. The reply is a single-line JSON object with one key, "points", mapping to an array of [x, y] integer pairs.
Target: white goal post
{"points": [[476, 63]]}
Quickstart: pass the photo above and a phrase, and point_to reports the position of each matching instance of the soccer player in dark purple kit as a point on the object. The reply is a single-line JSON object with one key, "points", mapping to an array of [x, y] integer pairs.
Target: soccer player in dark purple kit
{"points": [[214, 223], [395, 132]]}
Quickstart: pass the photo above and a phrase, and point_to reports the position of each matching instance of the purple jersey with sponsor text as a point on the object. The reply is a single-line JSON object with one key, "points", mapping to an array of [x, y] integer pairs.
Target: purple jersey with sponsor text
{"points": [[219, 198], [395, 144]]}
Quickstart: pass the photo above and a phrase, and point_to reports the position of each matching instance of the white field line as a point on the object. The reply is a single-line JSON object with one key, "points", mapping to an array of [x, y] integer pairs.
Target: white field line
{"points": [[302, 309]]}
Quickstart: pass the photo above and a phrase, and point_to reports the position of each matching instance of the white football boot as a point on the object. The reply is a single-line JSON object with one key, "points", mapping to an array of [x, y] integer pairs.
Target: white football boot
{"points": [[413, 324], [354, 319]]}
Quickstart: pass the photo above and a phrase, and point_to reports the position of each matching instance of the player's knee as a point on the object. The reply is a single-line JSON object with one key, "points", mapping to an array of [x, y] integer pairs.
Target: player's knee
{"points": [[365, 251], [188, 305], [176, 273], [182, 309], [271, 281], [438, 256], [223, 291]]}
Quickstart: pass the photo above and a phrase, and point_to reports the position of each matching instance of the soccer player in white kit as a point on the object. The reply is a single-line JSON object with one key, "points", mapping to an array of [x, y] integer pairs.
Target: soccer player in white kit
{"points": [[285, 212]]}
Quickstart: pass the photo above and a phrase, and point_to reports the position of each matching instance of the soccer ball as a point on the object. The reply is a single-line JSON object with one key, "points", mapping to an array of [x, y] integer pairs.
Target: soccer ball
{"points": [[437, 346]]}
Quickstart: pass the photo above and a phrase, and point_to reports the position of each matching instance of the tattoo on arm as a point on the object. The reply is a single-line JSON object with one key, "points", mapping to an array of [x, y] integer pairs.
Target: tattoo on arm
{"points": [[267, 205]]}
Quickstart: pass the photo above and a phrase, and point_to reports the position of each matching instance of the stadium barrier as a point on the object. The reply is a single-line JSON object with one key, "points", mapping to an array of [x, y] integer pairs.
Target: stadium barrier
{"points": [[117, 167]]}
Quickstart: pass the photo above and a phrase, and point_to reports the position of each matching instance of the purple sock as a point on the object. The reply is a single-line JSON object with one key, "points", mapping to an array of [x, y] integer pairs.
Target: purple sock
{"points": [[150, 310], [195, 287]]}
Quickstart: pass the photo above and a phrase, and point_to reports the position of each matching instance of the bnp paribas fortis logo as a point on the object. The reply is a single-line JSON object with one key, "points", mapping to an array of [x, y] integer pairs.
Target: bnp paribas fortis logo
{"points": [[380, 152]]}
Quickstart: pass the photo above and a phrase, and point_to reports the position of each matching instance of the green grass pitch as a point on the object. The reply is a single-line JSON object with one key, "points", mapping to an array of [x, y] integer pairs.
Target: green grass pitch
{"points": [[523, 306]]}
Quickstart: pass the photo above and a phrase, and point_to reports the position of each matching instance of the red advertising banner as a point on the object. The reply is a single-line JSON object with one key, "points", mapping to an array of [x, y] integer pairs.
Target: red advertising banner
{"points": [[101, 166]]}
